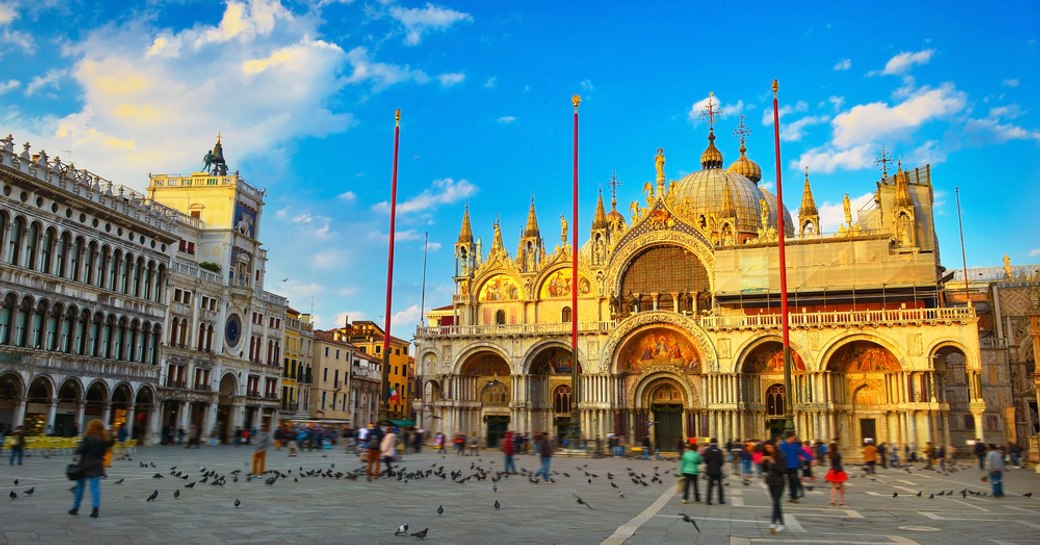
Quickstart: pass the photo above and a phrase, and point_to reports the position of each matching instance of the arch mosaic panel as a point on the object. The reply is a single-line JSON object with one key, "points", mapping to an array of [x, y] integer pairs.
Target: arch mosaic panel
{"points": [[485, 364], [863, 357], [500, 287], [553, 361], [769, 360], [558, 284], [657, 346]]}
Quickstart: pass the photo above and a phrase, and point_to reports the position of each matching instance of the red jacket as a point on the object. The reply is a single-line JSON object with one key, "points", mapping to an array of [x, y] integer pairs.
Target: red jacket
{"points": [[508, 446]]}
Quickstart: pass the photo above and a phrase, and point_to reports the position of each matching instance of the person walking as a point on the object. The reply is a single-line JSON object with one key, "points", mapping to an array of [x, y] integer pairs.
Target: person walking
{"points": [[980, 453], [793, 458], [508, 451], [689, 467], [995, 463], [646, 447], [882, 452], [774, 466], [870, 457], [91, 451], [545, 450], [713, 462], [375, 439], [387, 449], [836, 475], [261, 441], [17, 445]]}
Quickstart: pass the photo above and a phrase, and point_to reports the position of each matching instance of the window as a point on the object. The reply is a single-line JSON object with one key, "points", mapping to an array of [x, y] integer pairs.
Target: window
{"points": [[565, 316], [775, 400], [397, 351], [337, 353], [197, 214], [323, 400], [500, 317], [379, 349], [562, 399], [335, 379], [325, 375], [326, 351]]}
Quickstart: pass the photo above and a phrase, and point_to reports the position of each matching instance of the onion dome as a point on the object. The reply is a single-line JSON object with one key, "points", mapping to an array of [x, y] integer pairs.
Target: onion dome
{"points": [[746, 167], [712, 157]]}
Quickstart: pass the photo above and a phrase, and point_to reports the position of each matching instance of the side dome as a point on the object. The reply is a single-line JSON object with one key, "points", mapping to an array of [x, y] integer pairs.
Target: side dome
{"points": [[771, 204], [746, 167], [701, 195]]}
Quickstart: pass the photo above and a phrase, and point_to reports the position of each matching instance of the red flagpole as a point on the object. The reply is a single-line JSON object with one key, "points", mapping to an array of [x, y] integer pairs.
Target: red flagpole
{"points": [[385, 405], [788, 392], [575, 425]]}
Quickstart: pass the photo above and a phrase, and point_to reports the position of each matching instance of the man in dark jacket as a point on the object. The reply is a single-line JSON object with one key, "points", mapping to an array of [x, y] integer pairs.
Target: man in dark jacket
{"points": [[980, 453], [713, 462], [794, 455]]}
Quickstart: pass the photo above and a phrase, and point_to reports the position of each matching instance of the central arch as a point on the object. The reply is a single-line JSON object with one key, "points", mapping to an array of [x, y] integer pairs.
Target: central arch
{"points": [[664, 402], [484, 391], [866, 392], [549, 387]]}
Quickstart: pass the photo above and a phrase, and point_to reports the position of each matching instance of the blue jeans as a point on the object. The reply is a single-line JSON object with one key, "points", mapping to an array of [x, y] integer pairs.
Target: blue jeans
{"points": [[996, 478], [544, 470], [17, 452], [745, 466], [95, 492], [646, 453], [510, 464]]}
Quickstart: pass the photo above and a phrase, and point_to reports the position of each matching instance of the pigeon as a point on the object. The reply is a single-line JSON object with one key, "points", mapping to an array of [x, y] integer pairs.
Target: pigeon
{"points": [[120, 481], [16, 482], [157, 476], [918, 493], [176, 494], [895, 494], [421, 535], [190, 485], [497, 505], [1027, 495], [238, 502], [440, 510], [15, 496], [687, 518], [153, 496], [401, 530], [30, 491], [581, 501]]}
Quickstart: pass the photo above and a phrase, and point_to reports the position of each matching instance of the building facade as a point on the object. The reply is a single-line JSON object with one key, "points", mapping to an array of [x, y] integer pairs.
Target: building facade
{"points": [[368, 338], [1007, 300], [296, 367], [679, 322], [84, 270], [365, 379], [223, 360], [330, 392]]}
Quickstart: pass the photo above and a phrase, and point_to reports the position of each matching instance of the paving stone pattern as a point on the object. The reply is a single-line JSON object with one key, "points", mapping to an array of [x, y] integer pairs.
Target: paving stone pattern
{"points": [[324, 510]]}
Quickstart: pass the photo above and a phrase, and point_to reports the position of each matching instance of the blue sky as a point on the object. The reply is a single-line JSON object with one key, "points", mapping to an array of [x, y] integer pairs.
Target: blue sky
{"points": [[304, 94]]}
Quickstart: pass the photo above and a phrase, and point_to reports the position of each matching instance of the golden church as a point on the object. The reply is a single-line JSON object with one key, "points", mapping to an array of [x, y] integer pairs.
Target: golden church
{"points": [[680, 324]]}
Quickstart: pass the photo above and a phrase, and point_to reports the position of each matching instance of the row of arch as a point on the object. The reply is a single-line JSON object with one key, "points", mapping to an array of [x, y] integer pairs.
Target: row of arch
{"points": [[43, 389], [27, 322], [179, 334], [31, 245]]}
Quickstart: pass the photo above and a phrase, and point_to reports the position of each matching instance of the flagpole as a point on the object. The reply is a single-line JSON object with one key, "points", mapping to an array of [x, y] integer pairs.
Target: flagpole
{"points": [[384, 404], [574, 433], [785, 319]]}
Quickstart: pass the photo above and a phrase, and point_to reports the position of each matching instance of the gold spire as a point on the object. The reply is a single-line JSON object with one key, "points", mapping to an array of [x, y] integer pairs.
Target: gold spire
{"points": [[728, 210], [496, 242], [576, 100], [600, 219], [659, 163], [397, 118], [808, 203], [903, 197], [466, 233], [532, 222]]}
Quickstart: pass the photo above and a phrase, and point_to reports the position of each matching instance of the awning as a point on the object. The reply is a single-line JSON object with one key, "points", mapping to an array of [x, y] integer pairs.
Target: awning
{"points": [[403, 423]]}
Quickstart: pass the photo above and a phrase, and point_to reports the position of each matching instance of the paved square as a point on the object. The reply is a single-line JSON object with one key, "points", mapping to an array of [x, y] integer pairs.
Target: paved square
{"points": [[315, 509]]}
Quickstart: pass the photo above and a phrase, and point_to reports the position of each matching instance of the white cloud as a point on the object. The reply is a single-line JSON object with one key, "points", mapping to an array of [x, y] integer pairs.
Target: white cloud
{"points": [[1010, 111], [433, 246], [451, 78], [296, 290], [52, 78], [348, 196], [442, 191], [418, 21], [990, 130], [930, 152], [9, 85], [491, 82], [722, 110], [143, 111], [7, 14], [586, 85], [832, 215], [405, 318], [828, 159], [380, 75], [795, 130], [843, 65], [876, 121], [902, 62], [798, 107], [836, 102], [507, 119], [329, 258], [1034, 252], [1010, 82]]}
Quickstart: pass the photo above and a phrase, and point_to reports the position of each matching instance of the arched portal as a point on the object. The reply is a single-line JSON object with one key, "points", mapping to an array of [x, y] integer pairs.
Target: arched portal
{"points": [[663, 411], [69, 397], [549, 369], [866, 392], [144, 404], [665, 278], [38, 403], [227, 393], [485, 382], [11, 392], [96, 403], [761, 389], [955, 387], [122, 399]]}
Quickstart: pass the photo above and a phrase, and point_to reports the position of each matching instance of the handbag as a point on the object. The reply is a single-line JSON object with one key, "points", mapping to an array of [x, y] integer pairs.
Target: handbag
{"points": [[74, 471]]}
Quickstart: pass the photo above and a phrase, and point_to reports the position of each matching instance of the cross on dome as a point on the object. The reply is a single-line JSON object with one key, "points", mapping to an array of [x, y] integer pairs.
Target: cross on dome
{"points": [[710, 111]]}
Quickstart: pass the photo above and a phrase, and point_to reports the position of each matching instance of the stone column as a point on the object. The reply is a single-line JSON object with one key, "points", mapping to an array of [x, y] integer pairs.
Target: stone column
{"points": [[81, 409], [209, 420], [153, 434], [106, 413], [977, 408], [130, 420], [52, 410]]}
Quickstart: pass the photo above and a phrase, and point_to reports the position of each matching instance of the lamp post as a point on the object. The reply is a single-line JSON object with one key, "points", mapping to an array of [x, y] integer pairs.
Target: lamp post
{"points": [[384, 401], [574, 431], [788, 391]]}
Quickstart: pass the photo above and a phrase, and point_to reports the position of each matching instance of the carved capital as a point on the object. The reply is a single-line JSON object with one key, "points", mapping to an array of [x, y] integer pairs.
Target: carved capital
{"points": [[977, 407]]}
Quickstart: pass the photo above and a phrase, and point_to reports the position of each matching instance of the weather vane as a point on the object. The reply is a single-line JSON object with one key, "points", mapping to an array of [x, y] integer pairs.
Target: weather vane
{"points": [[742, 131], [710, 112], [884, 159]]}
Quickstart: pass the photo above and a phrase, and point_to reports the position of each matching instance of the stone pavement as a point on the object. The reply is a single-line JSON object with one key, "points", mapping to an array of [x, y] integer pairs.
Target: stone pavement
{"points": [[331, 511]]}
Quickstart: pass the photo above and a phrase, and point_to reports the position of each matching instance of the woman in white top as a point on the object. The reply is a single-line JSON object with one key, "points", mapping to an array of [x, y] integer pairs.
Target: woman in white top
{"points": [[388, 448]]}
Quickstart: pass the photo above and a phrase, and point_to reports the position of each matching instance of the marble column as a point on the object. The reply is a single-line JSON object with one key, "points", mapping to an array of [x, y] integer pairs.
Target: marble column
{"points": [[106, 413], [153, 434], [52, 410], [130, 420], [81, 408]]}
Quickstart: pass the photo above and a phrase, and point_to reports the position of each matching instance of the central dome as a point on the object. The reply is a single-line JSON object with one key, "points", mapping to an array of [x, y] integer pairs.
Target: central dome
{"points": [[702, 194]]}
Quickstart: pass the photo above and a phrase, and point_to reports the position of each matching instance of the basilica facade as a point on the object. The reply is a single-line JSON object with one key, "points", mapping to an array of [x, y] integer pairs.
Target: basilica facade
{"points": [[680, 327]]}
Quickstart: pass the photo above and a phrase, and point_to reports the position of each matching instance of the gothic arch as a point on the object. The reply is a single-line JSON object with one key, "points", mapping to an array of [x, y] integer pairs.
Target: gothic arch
{"points": [[630, 325], [47, 383]]}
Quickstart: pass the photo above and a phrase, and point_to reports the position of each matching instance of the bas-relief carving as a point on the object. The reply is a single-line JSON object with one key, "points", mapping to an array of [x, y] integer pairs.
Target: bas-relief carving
{"points": [[725, 349], [913, 344]]}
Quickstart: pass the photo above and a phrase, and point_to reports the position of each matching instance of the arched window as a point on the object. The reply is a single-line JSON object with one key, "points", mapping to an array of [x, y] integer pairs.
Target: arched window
{"points": [[565, 316], [500, 317], [562, 399], [775, 400]]}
